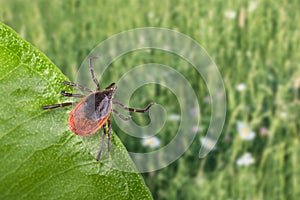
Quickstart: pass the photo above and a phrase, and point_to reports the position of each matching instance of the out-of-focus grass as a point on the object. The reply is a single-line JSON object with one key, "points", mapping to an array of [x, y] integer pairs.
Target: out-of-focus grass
{"points": [[256, 43]]}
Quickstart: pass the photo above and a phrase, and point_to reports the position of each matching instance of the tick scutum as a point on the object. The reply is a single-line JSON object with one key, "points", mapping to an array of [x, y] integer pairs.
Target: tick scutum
{"points": [[98, 105]]}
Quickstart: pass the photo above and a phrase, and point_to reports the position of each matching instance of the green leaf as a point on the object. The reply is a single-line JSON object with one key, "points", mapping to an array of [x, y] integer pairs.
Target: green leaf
{"points": [[40, 157]]}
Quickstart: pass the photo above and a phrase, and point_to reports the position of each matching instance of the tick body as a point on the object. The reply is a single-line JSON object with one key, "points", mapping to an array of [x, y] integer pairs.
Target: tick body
{"points": [[93, 111]]}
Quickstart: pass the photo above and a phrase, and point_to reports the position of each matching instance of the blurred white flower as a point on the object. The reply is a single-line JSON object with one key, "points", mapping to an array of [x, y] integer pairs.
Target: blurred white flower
{"points": [[230, 14], [174, 117], [245, 160], [208, 143], [150, 15], [152, 142], [241, 87], [200, 179], [244, 131], [283, 115], [252, 6]]}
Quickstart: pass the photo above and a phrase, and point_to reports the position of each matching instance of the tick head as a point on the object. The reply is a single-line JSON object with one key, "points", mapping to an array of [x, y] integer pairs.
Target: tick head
{"points": [[110, 91]]}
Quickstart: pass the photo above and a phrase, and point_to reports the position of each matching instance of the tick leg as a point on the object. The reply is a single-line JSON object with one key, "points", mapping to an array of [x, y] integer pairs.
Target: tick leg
{"points": [[92, 73], [59, 105], [102, 142], [78, 86], [109, 136], [64, 93], [121, 116], [133, 109]]}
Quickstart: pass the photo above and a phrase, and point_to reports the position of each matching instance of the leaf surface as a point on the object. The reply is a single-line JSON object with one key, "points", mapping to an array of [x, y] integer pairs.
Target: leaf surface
{"points": [[40, 157]]}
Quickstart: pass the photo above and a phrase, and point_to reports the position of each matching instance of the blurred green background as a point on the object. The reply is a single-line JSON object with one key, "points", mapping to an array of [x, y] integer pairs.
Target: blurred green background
{"points": [[256, 46]]}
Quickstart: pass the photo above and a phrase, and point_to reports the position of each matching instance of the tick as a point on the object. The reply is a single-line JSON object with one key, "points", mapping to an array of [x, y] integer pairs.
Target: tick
{"points": [[93, 111]]}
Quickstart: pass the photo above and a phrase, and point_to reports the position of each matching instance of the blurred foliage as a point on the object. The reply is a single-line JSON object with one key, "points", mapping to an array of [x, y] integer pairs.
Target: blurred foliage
{"points": [[255, 43]]}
